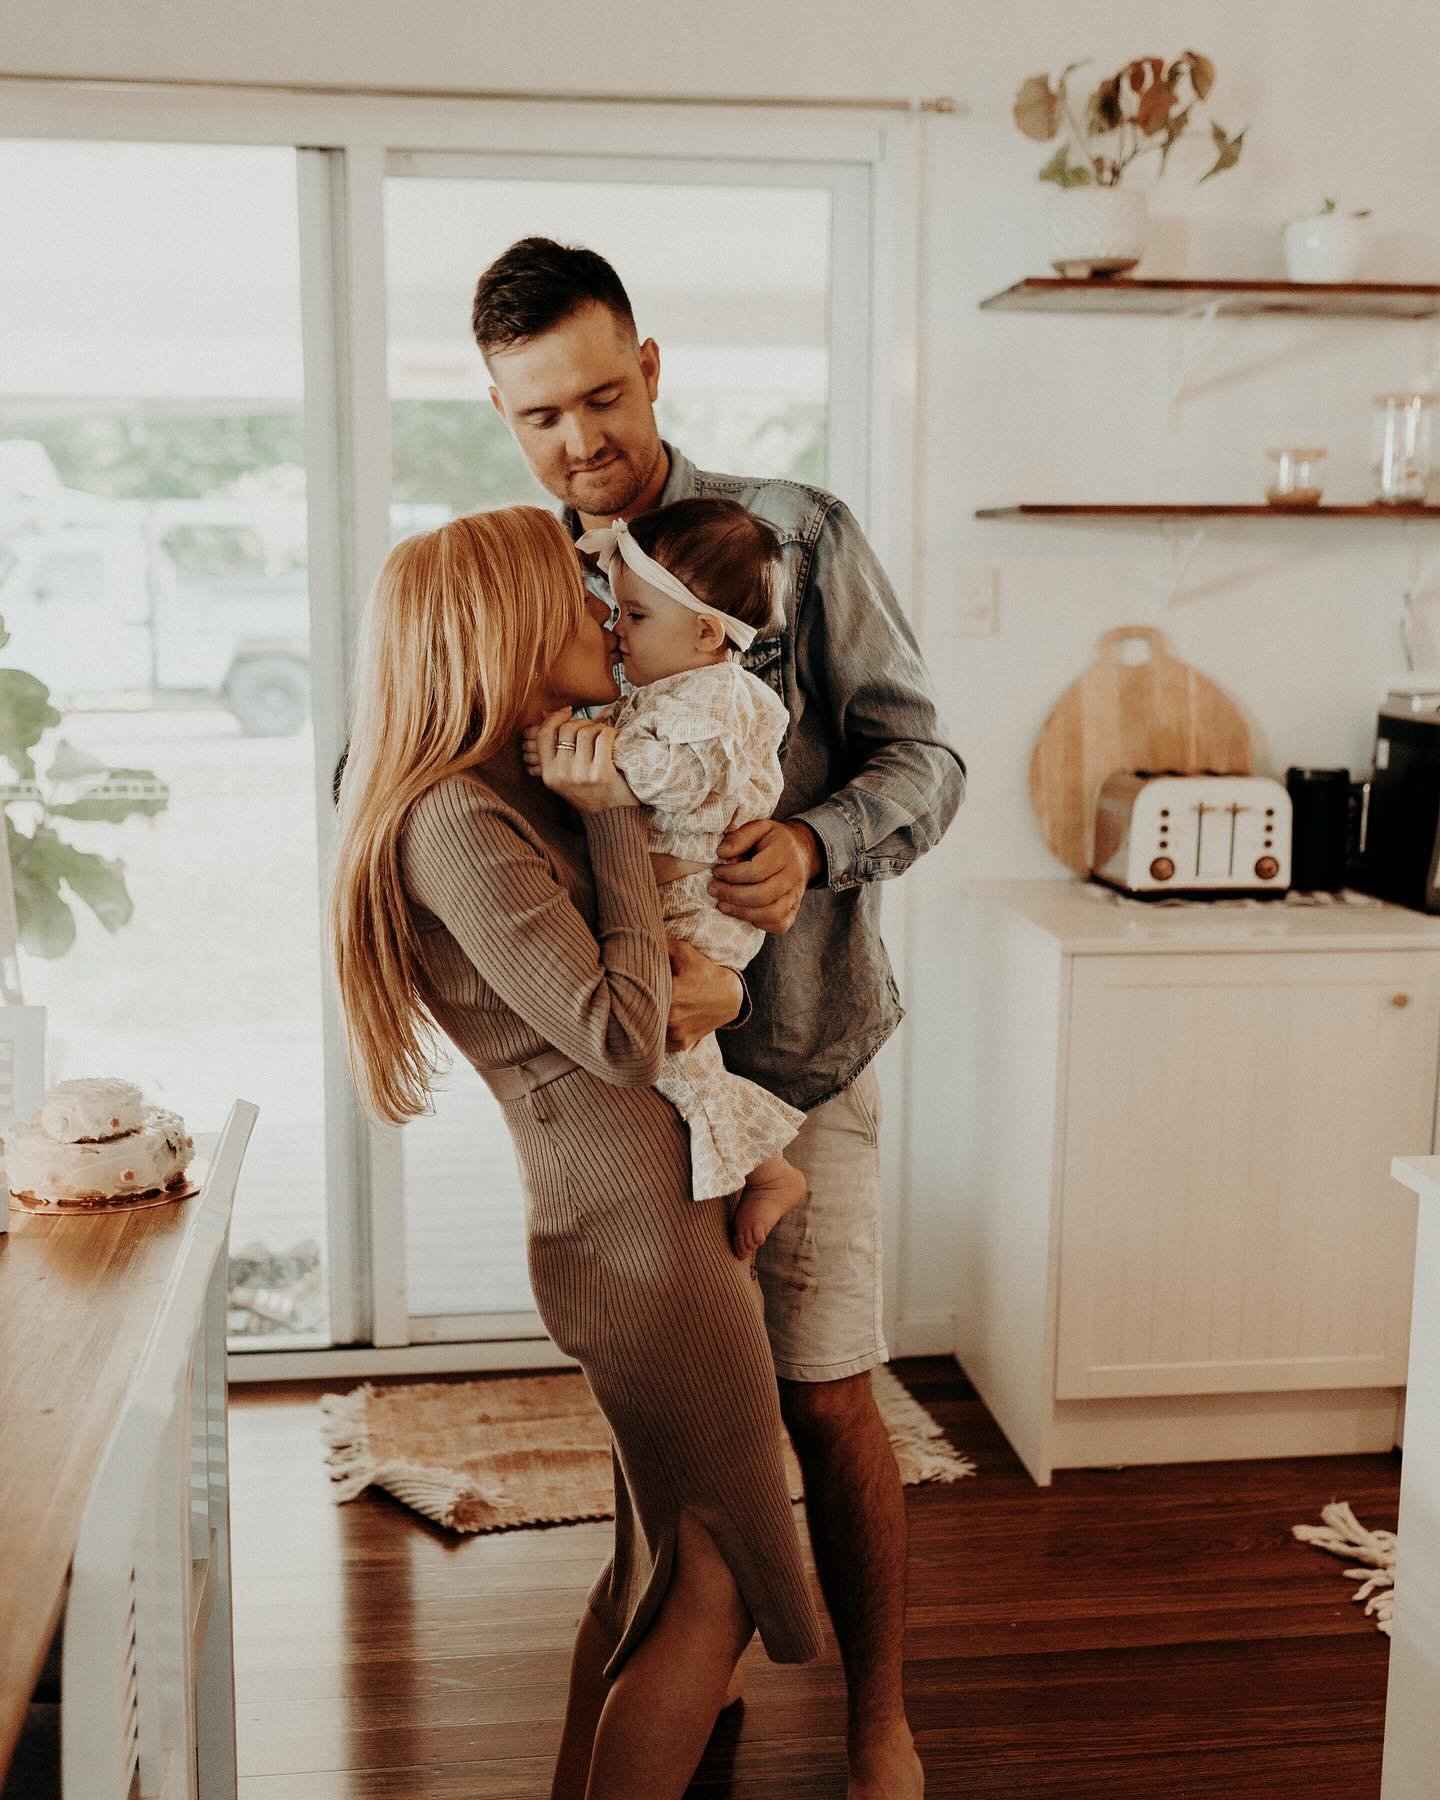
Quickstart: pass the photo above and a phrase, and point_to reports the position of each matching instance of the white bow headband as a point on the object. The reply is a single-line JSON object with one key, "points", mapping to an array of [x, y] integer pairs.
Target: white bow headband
{"points": [[606, 541]]}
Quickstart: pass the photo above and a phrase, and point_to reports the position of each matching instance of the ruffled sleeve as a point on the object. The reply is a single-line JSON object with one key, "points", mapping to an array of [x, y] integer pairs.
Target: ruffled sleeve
{"points": [[696, 737]]}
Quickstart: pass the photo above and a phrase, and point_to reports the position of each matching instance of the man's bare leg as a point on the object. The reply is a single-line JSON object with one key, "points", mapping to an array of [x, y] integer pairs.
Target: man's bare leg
{"points": [[855, 1507]]}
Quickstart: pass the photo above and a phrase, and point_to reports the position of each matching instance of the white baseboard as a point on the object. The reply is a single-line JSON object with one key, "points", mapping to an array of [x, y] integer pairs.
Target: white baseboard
{"points": [[402, 1359], [911, 1337], [933, 1336]]}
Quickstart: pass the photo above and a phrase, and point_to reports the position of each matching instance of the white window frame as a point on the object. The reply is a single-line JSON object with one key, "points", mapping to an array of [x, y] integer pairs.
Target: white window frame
{"points": [[344, 144]]}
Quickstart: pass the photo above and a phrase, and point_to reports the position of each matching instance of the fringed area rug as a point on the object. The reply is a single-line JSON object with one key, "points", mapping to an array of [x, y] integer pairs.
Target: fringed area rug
{"points": [[534, 1449], [1343, 1535]]}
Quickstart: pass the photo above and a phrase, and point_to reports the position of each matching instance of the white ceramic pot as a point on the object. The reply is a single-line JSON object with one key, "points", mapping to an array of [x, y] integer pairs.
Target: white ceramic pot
{"points": [[1096, 230], [1326, 247]]}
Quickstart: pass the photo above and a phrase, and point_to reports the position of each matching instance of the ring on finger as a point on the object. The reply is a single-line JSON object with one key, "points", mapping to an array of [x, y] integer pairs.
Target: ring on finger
{"points": [[565, 744]]}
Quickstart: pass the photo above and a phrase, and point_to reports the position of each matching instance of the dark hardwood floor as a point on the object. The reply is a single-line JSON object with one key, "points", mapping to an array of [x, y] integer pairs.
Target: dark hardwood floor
{"points": [[1143, 1631]]}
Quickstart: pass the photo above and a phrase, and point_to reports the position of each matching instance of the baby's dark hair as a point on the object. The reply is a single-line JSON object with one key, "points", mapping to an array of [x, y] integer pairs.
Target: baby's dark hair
{"points": [[725, 556]]}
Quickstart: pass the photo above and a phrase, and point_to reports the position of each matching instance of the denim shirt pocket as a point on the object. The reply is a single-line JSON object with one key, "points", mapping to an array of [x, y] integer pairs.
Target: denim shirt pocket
{"points": [[765, 658]]}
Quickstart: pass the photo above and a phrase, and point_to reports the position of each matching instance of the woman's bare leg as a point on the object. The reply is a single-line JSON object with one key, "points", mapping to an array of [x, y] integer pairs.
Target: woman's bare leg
{"points": [[594, 1646], [663, 1704]]}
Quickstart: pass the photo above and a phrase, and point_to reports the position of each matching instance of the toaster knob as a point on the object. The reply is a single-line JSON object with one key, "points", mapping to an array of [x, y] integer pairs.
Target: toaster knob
{"points": [[1161, 869], [1267, 868]]}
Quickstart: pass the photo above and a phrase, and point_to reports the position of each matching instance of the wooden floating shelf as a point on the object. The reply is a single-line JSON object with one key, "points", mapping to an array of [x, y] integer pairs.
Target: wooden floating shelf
{"points": [[1119, 294], [1397, 514]]}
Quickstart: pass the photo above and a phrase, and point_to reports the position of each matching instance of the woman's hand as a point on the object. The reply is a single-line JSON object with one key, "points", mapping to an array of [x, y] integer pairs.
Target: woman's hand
{"points": [[704, 995], [576, 760]]}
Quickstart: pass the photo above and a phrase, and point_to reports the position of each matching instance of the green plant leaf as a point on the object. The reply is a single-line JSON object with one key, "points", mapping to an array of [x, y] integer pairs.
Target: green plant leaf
{"points": [[49, 861], [115, 807], [69, 764], [1063, 174], [47, 926], [1174, 131], [1227, 151], [101, 885], [1037, 109], [25, 716]]}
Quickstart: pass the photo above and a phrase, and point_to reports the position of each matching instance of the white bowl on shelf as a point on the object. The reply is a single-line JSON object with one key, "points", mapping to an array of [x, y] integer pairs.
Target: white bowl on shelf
{"points": [[1326, 247]]}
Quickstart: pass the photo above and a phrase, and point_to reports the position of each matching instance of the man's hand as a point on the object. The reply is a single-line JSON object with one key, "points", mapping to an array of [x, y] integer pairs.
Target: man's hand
{"points": [[763, 872], [703, 996]]}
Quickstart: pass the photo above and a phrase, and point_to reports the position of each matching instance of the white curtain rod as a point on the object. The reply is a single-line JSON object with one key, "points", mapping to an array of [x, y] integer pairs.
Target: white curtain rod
{"points": [[940, 103]]}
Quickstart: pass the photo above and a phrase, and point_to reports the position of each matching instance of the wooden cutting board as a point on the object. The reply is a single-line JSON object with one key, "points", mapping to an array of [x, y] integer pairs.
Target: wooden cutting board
{"points": [[1136, 707]]}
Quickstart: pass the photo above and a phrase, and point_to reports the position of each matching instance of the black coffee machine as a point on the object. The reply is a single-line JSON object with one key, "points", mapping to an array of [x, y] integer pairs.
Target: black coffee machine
{"points": [[1395, 835]]}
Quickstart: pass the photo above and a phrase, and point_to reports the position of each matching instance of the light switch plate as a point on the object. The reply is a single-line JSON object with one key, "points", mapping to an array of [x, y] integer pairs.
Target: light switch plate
{"points": [[976, 609]]}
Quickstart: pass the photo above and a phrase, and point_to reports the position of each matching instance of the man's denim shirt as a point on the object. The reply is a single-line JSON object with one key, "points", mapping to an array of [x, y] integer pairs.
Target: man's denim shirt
{"points": [[867, 766]]}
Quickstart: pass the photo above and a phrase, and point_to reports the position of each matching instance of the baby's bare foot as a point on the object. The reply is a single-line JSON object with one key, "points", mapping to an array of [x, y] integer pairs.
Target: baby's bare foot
{"points": [[773, 1190]]}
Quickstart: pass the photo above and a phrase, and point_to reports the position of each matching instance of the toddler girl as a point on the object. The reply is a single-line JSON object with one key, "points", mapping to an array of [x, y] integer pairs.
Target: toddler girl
{"points": [[697, 739]]}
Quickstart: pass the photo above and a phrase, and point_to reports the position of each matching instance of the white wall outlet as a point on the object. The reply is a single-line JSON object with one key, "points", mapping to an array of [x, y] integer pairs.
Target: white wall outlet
{"points": [[977, 601]]}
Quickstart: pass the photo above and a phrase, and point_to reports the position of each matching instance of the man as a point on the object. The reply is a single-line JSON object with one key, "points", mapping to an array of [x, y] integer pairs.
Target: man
{"points": [[870, 784]]}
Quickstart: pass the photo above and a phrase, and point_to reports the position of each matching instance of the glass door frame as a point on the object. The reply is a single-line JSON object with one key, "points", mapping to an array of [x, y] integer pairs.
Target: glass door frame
{"points": [[342, 144], [848, 462]]}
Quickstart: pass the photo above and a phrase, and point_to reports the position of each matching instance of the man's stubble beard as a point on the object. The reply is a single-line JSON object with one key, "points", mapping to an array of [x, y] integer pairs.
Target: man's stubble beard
{"points": [[630, 483]]}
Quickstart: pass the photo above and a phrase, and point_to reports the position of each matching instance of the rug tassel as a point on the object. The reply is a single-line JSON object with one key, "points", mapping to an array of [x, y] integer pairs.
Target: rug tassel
{"points": [[454, 1500], [921, 1447], [1342, 1534], [344, 1425]]}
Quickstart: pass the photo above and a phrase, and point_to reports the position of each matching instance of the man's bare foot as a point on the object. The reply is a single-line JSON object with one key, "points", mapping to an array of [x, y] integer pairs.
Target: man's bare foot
{"points": [[773, 1190], [885, 1767]]}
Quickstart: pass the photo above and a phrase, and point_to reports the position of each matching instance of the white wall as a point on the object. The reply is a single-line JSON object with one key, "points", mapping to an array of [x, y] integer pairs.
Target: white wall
{"points": [[1298, 621]]}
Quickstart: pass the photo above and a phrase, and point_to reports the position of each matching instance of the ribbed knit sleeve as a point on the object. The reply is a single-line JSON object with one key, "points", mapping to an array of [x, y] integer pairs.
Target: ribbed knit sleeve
{"points": [[604, 1003]]}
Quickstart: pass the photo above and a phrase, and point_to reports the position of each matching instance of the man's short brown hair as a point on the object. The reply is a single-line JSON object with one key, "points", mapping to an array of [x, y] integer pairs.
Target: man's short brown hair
{"points": [[535, 285], [725, 555]]}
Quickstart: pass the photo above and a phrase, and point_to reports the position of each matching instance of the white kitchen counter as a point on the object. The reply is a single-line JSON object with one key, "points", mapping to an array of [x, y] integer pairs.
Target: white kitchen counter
{"points": [[1177, 1135], [1087, 919], [1412, 1718]]}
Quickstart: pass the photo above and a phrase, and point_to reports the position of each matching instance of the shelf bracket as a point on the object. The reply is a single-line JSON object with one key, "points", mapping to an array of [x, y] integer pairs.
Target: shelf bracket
{"points": [[1184, 548], [1191, 344], [1414, 632]]}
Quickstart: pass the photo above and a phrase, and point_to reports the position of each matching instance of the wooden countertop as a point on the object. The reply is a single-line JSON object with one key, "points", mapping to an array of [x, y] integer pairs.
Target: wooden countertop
{"points": [[78, 1298], [1088, 919]]}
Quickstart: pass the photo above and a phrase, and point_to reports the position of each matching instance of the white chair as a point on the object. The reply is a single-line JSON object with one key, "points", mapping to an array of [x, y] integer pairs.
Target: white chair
{"points": [[147, 1665]]}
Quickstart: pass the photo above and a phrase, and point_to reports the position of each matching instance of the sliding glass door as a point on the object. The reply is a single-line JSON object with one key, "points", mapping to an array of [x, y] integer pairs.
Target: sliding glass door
{"points": [[153, 577], [231, 375], [754, 279]]}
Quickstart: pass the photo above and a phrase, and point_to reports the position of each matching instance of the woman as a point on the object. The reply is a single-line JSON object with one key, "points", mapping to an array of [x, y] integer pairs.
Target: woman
{"points": [[470, 896]]}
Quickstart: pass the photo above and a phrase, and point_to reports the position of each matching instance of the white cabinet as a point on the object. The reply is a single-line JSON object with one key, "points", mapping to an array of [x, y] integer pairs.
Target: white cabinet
{"points": [[1178, 1234]]}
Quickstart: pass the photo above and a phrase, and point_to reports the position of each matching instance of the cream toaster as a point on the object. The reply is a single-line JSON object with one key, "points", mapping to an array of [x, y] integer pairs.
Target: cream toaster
{"points": [[1193, 836]]}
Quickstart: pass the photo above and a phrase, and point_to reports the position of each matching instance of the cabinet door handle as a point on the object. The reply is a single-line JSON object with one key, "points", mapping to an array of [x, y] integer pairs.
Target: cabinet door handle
{"points": [[1399, 999]]}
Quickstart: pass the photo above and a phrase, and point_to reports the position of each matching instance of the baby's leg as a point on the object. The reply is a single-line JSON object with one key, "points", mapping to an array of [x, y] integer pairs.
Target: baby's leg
{"points": [[770, 1191]]}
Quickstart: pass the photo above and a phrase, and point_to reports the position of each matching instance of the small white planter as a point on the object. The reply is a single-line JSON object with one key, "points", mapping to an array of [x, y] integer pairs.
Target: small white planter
{"points": [[1096, 230], [1326, 247]]}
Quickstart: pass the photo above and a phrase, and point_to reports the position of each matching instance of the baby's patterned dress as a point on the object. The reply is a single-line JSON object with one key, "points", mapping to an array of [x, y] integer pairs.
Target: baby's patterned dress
{"points": [[700, 749]]}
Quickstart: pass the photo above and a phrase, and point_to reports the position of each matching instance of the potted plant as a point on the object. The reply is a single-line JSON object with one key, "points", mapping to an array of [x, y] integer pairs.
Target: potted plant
{"points": [[1327, 245], [1097, 219], [49, 872]]}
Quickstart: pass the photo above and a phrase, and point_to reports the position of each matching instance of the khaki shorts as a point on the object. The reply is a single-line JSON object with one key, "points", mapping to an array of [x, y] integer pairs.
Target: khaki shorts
{"points": [[819, 1270]]}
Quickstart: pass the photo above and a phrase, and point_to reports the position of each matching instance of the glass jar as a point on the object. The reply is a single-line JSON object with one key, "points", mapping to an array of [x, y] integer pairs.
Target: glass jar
{"points": [[1403, 442], [1297, 477]]}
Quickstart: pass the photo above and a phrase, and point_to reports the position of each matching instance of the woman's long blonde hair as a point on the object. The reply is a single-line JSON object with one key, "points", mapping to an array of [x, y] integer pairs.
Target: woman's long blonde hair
{"points": [[463, 628]]}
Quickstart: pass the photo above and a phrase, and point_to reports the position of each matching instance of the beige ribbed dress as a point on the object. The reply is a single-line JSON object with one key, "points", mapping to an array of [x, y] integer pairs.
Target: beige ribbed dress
{"points": [[528, 944]]}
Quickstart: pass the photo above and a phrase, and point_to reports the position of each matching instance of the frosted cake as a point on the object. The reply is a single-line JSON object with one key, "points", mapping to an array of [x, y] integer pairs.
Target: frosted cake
{"points": [[95, 1142]]}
